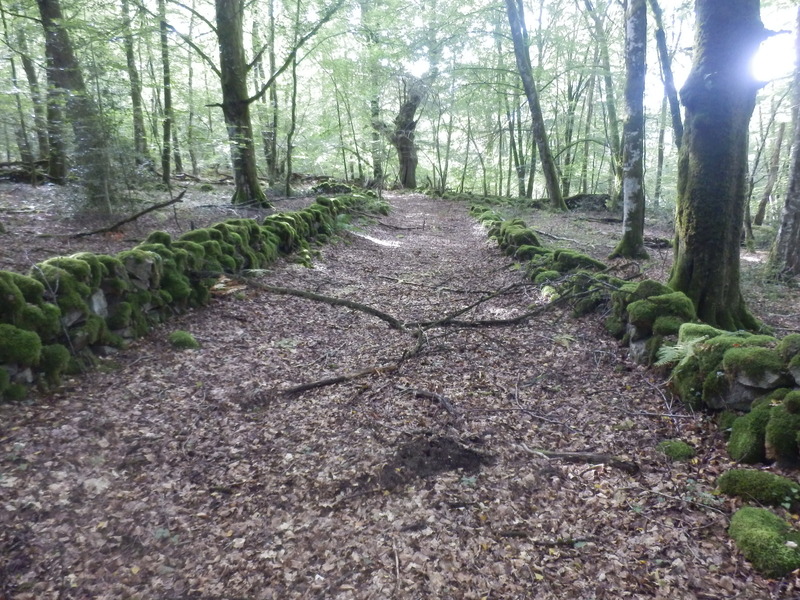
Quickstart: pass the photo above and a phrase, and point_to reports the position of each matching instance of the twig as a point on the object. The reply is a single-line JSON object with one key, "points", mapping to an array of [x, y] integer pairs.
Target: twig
{"points": [[396, 566], [118, 224], [555, 237], [304, 387], [589, 457], [522, 533]]}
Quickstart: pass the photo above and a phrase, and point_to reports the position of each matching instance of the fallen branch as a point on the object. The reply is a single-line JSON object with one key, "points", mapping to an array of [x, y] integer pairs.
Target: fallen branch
{"points": [[443, 400], [304, 387], [555, 237], [522, 533], [118, 224], [589, 457], [393, 322]]}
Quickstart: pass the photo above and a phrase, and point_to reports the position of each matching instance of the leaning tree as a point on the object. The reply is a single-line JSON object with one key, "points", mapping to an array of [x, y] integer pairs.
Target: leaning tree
{"points": [[718, 96]]}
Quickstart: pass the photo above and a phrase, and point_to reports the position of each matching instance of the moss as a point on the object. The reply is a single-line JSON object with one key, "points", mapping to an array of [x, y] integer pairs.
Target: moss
{"points": [[781, 436], [120, 316], [615, 326], [569, 260], [762, 537], [725, 420], [11, 298], [527, 252], [18, 346], [5, 380], [97, 269], [183, 340], [546, 276], [91, 332], [759, 486], [116, 281], [197, 236], [159, 237], [750, 361], [789, 346], [676, 449], [748, 434], [15, 392], [44, 319], [54, 361], [177, 285], [692, 331], [643, 313], [667, 324], [32, 290], [78, 269], [792, 402]]}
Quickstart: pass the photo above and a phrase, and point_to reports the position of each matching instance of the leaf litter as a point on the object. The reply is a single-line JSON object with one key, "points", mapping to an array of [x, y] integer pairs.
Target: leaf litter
{"points": [[192, 475]]}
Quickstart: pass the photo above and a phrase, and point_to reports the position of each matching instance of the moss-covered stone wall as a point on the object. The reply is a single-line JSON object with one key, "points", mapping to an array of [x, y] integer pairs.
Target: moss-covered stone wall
{"points": [[67, 310]]}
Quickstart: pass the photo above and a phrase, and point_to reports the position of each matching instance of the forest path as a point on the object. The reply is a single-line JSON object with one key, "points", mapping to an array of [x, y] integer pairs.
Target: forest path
{"points": [[192, 475]]}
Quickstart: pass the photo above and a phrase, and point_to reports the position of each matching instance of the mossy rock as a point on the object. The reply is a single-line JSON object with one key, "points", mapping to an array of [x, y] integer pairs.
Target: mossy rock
{"points": [[19, 347], [789, 346], [32, 290], [97, 269], [12, 300], [760, 366], [546, 276], [527, 252], [643, 313], [748, 435], [677, 450], [762, 538], [760, 486], [615, 326], [120, 316], [54, 362], [183, 340], [725, 420], [667, 324], [159, 237], [44, 319], [791, 401], [570, 260], [780, 436], [693, 331], [198, 236]]}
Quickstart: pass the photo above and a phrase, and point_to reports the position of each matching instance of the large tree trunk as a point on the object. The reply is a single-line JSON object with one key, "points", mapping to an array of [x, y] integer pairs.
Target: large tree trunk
{"points": [[39, 108], [66, 79], [632, 243], [718, 97], [402, 136], [785, 256], [235, 103], [519, 36]]}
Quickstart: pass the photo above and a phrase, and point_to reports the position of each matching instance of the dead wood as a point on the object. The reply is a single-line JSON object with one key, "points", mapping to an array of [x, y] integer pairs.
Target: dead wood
{"points": [[591, 457], [555, 237], [304, 387], [118, 224], [441, 399]]}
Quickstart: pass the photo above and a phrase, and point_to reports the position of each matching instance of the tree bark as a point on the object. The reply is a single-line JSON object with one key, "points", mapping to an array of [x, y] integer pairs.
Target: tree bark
{"points": [[403, 134], [519, 36], [39, 107], [785, 255], [665, 60], [140, 148], [718, 98], [67, 83], [236, 104], [632, 243], [166, 123]]}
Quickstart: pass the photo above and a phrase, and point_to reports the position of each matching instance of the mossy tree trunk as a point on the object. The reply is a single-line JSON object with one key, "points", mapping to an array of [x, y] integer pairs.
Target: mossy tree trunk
{"points": [[632, 243], [785, 256], [519, 35], [236, 104], [402, 137], [139, 132], [718, 97]]}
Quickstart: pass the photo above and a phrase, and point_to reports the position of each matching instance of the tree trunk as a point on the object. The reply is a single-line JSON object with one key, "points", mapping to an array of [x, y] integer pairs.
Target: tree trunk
{"points": [[39, 107], [65, 76], [166, 123], [632, 243], [611, 103], [718, 98], [140, 148], [519, 36], [662, 127], [772, 177], [235, 104], [785, 255], [402, 136], [665, 60]]}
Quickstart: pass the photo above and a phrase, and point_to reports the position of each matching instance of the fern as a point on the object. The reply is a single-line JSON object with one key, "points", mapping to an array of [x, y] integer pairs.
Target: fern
{"points": [[678, 354]]}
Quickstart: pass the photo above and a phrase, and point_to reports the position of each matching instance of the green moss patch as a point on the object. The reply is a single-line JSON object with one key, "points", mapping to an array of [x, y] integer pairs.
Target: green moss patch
{"points": [[183, 340], [748, 434], [676, 450], [760, 486], [18, 346], [766, 540], [751, 361]]}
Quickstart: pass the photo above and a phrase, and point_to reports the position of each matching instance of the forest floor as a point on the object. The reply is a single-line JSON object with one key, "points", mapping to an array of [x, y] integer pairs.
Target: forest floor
{"points": [[195, 475]]}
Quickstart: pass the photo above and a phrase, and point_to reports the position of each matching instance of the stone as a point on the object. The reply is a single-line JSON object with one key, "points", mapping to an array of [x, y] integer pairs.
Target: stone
{"points": [[766, 380], [98, 304], [737, 397]]}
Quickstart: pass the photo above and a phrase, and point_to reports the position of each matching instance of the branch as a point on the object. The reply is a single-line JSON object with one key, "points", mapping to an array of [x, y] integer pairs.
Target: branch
{"points": [[286, 63], [589, 457], [119, 224], [393, 323]]}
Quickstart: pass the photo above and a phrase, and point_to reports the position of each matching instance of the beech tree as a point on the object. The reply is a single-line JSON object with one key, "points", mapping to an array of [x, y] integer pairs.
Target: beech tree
{"points": [[632, 243], [718, 97]]}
